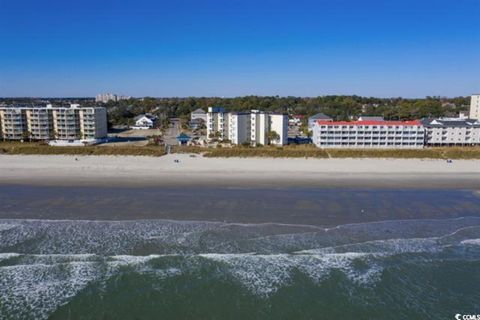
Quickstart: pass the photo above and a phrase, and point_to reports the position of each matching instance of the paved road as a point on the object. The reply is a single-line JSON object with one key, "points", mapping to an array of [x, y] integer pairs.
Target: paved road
{"points": [[171, 133]]}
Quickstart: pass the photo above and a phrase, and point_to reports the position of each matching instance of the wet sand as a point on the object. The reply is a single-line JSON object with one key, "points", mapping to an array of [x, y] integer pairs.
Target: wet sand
{"points": [[293, 205], [124, 171]]}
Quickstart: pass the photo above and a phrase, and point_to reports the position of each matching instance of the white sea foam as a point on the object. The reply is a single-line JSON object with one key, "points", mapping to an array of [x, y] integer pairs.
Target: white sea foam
{"points": [[7, 255], [7, 226], [383, 247], [265, 274], [471, 242], [57, 260], [36, 289]]}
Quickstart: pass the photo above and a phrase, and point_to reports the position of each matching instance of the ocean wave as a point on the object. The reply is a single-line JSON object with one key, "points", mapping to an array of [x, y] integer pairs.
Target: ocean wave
{"points": [[475, 242], [45, 264], [170, 237], [37, 285]]}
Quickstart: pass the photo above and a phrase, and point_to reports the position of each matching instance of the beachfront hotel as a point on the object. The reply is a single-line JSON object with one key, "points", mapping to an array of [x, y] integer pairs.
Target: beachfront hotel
{"points": [[451, 132], [247, 127], [368, 134], [61, 124]]}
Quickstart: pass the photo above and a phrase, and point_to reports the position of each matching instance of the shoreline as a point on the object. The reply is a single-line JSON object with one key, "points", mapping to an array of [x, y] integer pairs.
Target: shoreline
{"points": [[134, 171]]}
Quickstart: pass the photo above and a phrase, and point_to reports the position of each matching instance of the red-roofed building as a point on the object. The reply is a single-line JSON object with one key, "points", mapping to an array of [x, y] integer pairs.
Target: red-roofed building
{"points": [[368, 134]]}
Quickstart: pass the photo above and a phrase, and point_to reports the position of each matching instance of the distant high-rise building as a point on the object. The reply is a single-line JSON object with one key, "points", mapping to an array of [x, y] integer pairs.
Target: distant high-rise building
{"points": [[475, 107], [105, 97]]}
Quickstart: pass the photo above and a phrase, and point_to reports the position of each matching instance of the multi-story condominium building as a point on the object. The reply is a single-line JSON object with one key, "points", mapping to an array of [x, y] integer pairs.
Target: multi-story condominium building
{"points": [[217, 123], [105, 97], [247, 127], [475, 107], [238, 127], [12, 123], [72, 123], [259, 122], [39, 123], [451, 132], [279, 124], [368, 134]]}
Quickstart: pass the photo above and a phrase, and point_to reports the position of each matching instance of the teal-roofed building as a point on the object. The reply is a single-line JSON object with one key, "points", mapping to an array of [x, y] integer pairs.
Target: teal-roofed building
{"points": [[183, 139]]}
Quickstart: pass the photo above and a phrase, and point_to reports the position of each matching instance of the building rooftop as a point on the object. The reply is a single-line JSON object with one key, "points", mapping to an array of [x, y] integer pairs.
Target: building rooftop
{"points": [[199, 111], [240, 112], [370, 118], [450, 122], [370, 123], [48, 106], [320, 116], [216, 109], [147, 115], [183, 137]]}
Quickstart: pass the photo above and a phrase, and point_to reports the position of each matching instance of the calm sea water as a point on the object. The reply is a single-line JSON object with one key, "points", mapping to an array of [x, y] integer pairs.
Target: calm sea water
{"points": [[272, 254]]}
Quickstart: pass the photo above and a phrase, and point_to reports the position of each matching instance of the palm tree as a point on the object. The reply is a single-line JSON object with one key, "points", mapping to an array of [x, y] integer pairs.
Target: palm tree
{"points": [[272, 136], [27, 135], [53, 135]]}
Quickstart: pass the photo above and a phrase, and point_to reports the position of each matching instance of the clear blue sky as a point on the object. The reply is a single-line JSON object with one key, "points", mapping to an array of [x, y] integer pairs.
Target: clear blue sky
{"points": [[384, 48]]}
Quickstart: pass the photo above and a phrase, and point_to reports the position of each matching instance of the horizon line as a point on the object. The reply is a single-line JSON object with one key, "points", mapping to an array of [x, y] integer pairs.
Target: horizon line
{"points": [[241, 96]]}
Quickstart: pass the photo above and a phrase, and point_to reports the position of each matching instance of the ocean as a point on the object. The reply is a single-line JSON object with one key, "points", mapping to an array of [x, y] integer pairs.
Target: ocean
{"points": [[280, 253]]}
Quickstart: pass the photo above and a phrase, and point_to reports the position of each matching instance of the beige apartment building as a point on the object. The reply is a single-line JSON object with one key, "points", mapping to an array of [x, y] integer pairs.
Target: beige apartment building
{"points": [[475, 107], [73, 123], [12, 123]]}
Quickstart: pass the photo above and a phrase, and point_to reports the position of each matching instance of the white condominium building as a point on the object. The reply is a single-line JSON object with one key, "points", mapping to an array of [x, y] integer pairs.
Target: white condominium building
{"points": [[279, 124], [217, 123], [247, 127], [475, 107], [259, 127], [238, 127], [451, 132], [105, 97], [53, 123], [368, 134]]}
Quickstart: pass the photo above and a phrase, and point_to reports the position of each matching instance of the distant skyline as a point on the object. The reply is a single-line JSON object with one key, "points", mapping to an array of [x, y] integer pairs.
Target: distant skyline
{"points": [[183, 48]]}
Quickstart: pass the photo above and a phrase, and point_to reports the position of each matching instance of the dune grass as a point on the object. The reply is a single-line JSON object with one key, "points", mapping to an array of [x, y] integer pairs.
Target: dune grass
{"points": [[302, 151], [188, 149], [386, 153], [32, 148], [428, 153], [291, 151], [311, 151]]}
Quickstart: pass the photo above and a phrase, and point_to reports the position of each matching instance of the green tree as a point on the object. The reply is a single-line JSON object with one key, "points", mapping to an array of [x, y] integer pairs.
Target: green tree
{"points": [[27, 135], [272, 136], [53, 135]]}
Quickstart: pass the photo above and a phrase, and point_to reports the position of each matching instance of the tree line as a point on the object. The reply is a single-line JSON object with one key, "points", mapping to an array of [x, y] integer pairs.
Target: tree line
{"points": [[337, 107]]}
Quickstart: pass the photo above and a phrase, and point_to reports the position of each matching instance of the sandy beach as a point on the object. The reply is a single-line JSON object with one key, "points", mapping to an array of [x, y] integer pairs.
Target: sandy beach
{"points": [[258, 172]]}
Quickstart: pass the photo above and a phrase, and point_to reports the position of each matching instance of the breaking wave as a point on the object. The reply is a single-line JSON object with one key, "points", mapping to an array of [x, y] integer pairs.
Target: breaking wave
{"points": [[47, 265]]}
